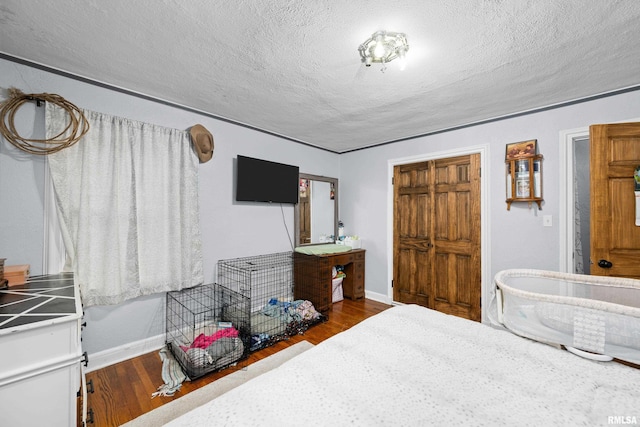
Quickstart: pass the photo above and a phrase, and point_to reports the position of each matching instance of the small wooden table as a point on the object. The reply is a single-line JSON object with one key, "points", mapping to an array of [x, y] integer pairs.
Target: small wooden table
{"points": [[312, 276]]}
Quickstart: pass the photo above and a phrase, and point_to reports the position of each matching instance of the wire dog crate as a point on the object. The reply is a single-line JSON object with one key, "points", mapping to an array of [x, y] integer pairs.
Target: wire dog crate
{"points": [[267, 280], [260, 277], [205, 328]]}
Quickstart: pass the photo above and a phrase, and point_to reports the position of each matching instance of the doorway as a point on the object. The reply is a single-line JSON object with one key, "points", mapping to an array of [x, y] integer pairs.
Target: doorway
{"points": [[571, 142], [582, 211], [484, 276], [574, 230]]}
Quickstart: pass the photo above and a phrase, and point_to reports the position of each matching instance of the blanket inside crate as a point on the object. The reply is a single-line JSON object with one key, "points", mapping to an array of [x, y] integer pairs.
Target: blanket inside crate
{"points": [[277, 319], [213, 348]]}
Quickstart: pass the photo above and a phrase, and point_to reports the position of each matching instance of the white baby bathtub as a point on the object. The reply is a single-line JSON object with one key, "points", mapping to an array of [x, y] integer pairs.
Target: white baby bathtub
{"points": [[589, 315]]}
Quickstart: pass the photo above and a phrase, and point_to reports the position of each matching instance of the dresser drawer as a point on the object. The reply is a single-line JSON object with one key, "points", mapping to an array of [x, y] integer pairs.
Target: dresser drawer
{"points": [[343, 259]]}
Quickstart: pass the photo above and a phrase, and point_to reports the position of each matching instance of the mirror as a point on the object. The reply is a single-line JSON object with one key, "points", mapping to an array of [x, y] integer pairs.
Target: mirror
{"points": [[316, 214]]}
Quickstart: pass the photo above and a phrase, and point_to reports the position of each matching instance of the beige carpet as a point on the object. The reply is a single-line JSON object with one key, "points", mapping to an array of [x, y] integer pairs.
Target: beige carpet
{"points": [[181, 405]]}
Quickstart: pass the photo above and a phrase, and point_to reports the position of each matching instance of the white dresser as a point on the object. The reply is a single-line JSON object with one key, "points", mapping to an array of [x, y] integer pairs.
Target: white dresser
{"points": [[40, 352]]}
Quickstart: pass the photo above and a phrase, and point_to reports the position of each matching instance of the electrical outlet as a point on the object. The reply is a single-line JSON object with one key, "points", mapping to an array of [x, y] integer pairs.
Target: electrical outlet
{"points": [[547, 220]]}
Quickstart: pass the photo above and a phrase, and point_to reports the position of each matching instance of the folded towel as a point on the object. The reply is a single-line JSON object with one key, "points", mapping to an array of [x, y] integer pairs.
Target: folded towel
{"points": [[172, 375]]}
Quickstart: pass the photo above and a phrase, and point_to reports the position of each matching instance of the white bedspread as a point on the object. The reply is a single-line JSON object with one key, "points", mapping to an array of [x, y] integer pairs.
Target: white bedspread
{"points": [[410, 366]]}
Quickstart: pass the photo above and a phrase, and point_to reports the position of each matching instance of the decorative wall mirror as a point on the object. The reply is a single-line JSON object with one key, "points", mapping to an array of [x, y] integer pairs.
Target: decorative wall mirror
{"points": [[316, 214]]}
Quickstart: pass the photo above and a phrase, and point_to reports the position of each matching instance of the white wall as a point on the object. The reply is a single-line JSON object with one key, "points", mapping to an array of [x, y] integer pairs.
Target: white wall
{"points": [[517, 237], [229, 229]]}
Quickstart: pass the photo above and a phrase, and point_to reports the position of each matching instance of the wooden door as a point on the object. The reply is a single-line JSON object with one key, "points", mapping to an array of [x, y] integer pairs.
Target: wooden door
{"points": [[412, 239], [437, 235], [615, 153]]}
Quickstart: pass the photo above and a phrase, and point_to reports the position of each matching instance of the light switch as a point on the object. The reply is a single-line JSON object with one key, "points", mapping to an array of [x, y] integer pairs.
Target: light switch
{"points": [[547, 220]]}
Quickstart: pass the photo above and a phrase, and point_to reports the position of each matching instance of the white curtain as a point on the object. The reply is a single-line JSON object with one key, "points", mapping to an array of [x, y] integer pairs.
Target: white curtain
{"points": [[127, 195]]}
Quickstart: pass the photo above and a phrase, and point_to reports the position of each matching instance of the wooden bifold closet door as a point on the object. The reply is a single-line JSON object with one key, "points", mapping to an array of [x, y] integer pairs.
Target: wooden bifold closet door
{"points": [[436, 239]]}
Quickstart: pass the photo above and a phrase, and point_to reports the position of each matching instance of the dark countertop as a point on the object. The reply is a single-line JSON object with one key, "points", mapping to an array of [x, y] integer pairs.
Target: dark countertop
{"points": [[43, 298]]}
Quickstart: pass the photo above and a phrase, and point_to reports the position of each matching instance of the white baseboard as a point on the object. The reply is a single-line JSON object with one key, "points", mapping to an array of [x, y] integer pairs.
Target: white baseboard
{"points": [[378, 297], [114, 355]]}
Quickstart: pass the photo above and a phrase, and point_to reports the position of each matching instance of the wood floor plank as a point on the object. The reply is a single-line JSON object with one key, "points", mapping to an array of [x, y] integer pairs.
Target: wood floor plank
{"points": [[123, 391]]}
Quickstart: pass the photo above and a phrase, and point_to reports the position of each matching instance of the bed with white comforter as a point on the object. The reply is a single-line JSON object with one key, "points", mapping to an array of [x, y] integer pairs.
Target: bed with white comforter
{"points": [[410, 366]]}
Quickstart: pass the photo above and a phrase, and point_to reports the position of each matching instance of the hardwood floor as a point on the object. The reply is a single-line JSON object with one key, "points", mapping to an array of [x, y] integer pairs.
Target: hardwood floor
{"points": [[123, 391]]}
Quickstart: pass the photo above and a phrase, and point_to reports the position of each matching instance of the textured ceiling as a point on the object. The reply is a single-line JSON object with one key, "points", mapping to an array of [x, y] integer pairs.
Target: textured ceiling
{"points": [[292, 68]]}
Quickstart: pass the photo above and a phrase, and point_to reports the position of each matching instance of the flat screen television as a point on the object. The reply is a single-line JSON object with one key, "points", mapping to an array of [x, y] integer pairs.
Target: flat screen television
{"points": [[260, 180]]}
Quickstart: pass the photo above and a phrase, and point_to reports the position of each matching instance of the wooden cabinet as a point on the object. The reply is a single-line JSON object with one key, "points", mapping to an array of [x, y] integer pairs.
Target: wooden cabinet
{"points": [[312, 276], [40, 352], [524, 180]]}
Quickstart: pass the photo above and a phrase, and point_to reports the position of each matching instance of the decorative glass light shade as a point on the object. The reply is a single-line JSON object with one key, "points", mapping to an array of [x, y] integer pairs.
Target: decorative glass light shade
{"points": [[383, 47]]}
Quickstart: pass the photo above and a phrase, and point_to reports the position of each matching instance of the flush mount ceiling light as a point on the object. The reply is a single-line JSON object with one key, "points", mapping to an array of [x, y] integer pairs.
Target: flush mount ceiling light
{"points": [[383, 47]]}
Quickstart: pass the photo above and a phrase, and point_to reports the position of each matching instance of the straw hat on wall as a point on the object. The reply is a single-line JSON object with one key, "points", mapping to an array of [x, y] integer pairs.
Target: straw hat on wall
{"points": [[202, 141]]}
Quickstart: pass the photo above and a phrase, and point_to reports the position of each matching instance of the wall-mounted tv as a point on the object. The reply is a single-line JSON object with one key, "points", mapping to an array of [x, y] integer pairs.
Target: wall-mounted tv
{"points": [[264, 181]]}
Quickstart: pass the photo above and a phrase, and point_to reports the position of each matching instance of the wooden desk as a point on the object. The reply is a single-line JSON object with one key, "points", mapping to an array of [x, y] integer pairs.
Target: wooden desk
{"points": [[312, 277]]}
